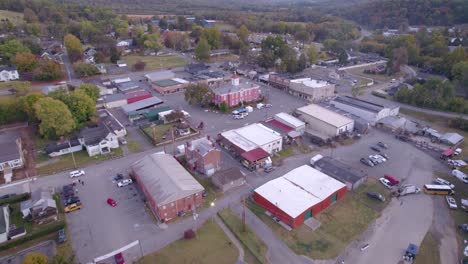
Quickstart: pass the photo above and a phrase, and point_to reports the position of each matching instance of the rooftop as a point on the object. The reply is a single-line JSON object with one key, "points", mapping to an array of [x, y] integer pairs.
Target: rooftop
{"points": [[165, 179], [109, 120], [325, 115], [166, 83], [145, 103], [291, 120], [310, 82], [339, 170], [159, 75], [126, 86], [8, 148], [94, 135], [364, 105], [230, 88], [114, 97], [278, 126], [228, 175], [238, 140], [8, 68], [57, 146], [258, 134], [298, 190], [255, 154], [204, 145]]}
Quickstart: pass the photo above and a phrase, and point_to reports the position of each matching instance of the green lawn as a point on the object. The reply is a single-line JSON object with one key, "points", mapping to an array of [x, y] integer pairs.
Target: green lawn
{"points": [[155, 62], [248, 239], [378, 77], [16, 218], [375, 186], [342, 223], [66, 162], [211, 194], [158, 131], [14, 17], [428, 251], [211, 246], [133, 146]]}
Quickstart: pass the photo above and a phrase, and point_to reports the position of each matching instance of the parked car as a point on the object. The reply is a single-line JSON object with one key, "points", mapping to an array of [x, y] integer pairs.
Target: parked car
{"points": [[375, 159], [460, 175], [375, 148], [382, 145], [268, 105], [119, 258], [269, 169], [402, 138], [386, 183], [463, 227], [118, 177], [392, 179], [238, 116], [72, 200], [440, 181], [62, 238], [125, 182], [77, 173], [111, 202], [451, 202], [367, 162], [375, 195], [457, 151], [380, 157], [73, 207], [384, 155]]}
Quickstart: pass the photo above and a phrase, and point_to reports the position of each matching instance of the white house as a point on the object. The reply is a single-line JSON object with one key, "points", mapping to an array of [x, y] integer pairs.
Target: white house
{"points": [[4, 223], [8, 74], [98, 140], [124, 43], [11, 153], [121, 64]]}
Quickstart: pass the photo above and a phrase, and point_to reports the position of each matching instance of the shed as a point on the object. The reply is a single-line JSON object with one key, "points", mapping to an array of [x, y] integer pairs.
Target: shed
{"points": [[228, 179], [452, 138]]}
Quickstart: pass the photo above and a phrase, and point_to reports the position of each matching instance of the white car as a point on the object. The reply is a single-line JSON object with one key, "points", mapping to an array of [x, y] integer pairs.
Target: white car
{"points": [[375, 159], [386, 183], [380, 157], [77, 173], [460, 175], [125, 182], [440, 181], [238, 116], [451, 202]]}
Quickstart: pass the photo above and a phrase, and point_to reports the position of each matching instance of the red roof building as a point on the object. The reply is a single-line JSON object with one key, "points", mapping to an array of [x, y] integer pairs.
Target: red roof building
{"points": [[286, 129], [255, 158], [136, 96]]}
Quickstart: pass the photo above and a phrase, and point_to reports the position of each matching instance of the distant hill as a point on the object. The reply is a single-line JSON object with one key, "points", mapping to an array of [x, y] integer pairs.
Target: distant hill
{"points": [[392, 13]]}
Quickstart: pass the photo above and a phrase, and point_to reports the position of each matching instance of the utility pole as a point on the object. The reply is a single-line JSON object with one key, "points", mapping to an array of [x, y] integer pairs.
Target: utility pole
{"points": [[243, 214], [73, 156]]}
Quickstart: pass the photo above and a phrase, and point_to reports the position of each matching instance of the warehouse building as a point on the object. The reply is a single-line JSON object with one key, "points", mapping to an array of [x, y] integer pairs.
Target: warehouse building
{"points": [[141, 105], [344, 173], [115, 100], [299, 195], [159, 75], [169, 189], [311, 90], [323, 122], [290, 121], [366, 110]]}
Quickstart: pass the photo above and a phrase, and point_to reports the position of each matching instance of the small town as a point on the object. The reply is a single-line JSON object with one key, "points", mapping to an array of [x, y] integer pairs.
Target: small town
{"points": [[321, 132]]}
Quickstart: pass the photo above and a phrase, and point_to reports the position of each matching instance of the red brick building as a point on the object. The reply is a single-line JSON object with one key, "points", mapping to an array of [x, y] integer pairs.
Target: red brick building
{"points": [[299, 194], [235, 92], [202, 155], [168, 187]]}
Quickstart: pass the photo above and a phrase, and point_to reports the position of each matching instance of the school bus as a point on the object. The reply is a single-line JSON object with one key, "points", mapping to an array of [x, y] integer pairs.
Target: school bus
{"points": [[438, 189]]}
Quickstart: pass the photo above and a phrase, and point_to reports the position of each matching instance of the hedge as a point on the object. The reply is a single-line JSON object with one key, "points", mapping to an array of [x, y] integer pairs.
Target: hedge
{"points": [[15, 199], [375, 93], [40, 233]]}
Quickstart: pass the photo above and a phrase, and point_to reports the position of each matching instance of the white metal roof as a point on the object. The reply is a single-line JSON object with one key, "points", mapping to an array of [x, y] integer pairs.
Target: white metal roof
{"points": [[325, 115], [165, 179], [239, 140], [311, 82], [258, 134], [291, 120], [180, 80], [298, 190]]}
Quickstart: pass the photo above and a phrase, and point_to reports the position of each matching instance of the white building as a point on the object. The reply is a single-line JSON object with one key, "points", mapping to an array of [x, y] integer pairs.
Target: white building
{"points": [[326, 122], [311, 90], [4, 223], [11, 153], [366, 110], [253, 136], [291, 121], [98, 140], [115, 100], [8, 74]]}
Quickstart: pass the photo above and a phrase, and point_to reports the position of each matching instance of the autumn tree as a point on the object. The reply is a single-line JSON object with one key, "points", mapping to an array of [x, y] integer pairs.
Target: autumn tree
{"points": [[49, 71], [27, 104], [81, 106], [73, 46], [312, 54], [56, 120], [83, 69], [151, 41], [198, 94], [25, 61], [202, 50], [9, 49], [460, 74], [35, 258], [139, 65], [213, 37], [91, 90]]}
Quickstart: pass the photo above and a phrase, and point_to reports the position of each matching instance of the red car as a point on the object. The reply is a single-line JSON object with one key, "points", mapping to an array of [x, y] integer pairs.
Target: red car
{"points": [[392, 179], [119, 258], [111, 202]]}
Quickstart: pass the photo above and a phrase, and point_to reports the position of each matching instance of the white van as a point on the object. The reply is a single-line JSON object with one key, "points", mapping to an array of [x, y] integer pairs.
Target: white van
{"points": [[77, 173], [441, 181], [460, 175]]}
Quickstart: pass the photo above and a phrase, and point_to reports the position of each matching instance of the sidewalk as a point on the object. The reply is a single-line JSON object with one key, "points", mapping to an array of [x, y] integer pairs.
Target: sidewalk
{"points": [[232, 238]]}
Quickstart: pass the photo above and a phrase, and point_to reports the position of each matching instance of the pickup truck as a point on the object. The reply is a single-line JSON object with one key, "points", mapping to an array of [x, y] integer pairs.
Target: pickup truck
{"points": [[408, 189]]}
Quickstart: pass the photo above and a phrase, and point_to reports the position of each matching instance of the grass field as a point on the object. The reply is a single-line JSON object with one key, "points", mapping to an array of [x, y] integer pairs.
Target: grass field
{"points": [[251, 243], [340, 224], [157, 132], [14, 17], [155, 62], [66, 162], [378, 77], [133, 146], [428, 251], [211, 246]]}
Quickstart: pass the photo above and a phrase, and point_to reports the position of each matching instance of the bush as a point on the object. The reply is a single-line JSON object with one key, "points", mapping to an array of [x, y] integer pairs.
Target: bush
{"points": [[139, 65], [375, 93], [15, 199], [83, 69], [40, 233]]}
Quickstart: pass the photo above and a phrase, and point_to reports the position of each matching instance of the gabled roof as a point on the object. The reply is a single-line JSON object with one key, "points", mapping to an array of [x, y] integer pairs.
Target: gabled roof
{"points": [[8, 148], [145, 103], [325, 115], [203, 145], [228, 175], [255, 154], [164, 179], [57, 146], [8, 68], [94, 135]]}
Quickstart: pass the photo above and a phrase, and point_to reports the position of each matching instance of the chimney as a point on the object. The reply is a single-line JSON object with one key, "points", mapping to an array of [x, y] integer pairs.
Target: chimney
{"points": [[235, 80]]}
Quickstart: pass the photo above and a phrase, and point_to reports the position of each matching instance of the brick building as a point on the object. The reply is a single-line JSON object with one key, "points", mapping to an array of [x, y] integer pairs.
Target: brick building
{"points": [[235, 92], [202, 156]]}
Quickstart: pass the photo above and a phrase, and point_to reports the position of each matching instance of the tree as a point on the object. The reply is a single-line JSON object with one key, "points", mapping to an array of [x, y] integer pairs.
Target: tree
{"points": [[35, 258], [30, 16], [83, 69], [303, 36], [332, 45], [60, 259], [114, 55], [49, 71], [399, 57], [458, 55], [81, 106], [175, 115], [197, 32], [27, 104], [223, 107], [460, 74], [176, 40], [152, 42], [10, 48], [302, 62], [139, 65], [312, 54], [213, 37], [25, 61], [162, 23], [342, 57], [33, 29], [202, 50], [73, 46], [20, 88], [91, 90], [243, 34], [197, 94]]}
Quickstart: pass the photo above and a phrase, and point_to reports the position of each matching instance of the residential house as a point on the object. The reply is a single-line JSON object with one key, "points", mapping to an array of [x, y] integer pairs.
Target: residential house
{"points": [[8, 73], [228, 179], [101, 67], [124, 43], [4, 223], [42, 207], [236, 92], [11, 153], [121, 63], [56, 149], [98, 140], [112, 123], [202, 155]]}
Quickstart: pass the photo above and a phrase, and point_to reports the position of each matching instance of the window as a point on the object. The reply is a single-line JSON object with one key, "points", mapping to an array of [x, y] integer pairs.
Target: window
{"points": [[172, 204]]}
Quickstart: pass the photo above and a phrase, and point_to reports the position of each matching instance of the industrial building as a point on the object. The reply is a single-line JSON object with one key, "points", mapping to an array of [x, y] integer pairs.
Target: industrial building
{"points": [[299, 195], [311, 90], [324, 123], [366, 110], [141, 105], [344, 173], [159, 75], [169, 189], [291, 121]]}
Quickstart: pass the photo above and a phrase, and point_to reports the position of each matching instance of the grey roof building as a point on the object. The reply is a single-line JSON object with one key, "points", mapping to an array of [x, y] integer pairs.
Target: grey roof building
{"points": [[366, 110], [342, 172], [143, 104], [451, 138], [159, 75], [228, 179]]}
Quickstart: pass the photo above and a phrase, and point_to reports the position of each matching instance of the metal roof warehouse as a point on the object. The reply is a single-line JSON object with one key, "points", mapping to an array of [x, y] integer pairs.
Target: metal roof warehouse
{"points": [[143, 104]]}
